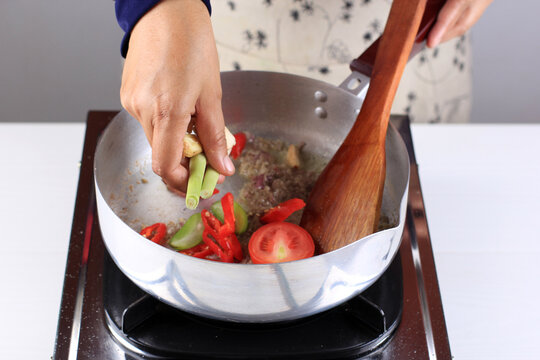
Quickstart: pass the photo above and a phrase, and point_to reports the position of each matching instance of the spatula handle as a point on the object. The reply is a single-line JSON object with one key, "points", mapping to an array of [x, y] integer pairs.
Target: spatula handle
{"points": [[364, 63], [356, 173]]}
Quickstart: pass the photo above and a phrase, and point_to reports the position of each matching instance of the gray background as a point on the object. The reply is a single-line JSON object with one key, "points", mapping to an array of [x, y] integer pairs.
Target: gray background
{"points": [[60, 58]]}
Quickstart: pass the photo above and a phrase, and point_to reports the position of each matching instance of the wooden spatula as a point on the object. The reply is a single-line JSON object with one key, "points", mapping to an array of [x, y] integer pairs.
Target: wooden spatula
{"points": [[345, 202]]}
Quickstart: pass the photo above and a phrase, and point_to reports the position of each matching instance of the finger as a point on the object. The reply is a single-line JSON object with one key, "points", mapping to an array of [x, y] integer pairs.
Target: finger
{"points": [[467, 19], [134, 100], [211, 131], [446, 19], [221, 179], [191, 125], [167, 149], [145, 119], [177, 192], [146, 122]]}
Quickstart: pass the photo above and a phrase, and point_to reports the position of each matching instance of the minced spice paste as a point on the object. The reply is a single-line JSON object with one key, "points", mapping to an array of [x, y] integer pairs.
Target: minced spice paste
{"points": [[270, 180]]}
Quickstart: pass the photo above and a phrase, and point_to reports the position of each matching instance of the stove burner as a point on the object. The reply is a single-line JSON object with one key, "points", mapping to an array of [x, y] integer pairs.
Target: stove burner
{"points": [[151, 328], [92, 323]]}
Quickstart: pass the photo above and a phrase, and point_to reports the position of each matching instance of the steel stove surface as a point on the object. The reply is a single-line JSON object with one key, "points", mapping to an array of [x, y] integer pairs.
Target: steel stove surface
{"points": [[104, 316]]}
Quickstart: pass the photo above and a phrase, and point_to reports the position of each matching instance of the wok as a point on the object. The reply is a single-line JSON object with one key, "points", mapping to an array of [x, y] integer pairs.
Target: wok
{"points": [[274, 105]]}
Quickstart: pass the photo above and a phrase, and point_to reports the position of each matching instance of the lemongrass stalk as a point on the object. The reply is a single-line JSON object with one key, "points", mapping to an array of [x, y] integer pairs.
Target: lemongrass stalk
{"points": [[197, 164], [209, 182]]}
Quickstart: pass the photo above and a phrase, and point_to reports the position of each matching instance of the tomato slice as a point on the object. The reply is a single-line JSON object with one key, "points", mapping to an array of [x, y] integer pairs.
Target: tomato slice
{"points": [[280, 242]]}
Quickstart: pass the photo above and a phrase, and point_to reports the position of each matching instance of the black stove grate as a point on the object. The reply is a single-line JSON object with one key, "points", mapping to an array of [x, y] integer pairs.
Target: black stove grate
{"points": [[153, 329], [87, 332]]}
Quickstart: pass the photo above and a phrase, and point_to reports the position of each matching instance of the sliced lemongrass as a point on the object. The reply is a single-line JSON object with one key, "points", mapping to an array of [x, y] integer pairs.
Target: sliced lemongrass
{"points": [[210, 180], [197, 165]]}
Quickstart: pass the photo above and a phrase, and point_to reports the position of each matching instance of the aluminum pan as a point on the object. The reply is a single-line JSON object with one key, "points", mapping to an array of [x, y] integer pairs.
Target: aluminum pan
{"points": [[271, 105]]}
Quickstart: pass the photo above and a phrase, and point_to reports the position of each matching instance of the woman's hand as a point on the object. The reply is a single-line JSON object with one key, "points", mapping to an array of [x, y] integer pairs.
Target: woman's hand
{"points": [[171, 77], [455, 18]]}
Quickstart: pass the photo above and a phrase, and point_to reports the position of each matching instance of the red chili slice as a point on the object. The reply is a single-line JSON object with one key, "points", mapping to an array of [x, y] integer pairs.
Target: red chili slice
{"points": [[228, 228], [225, 256], [212, 227], [226, 244], [211, 223], [236, 247], [200, 251], [239, 146], [283, 211], [227, 204], [155, 232]]}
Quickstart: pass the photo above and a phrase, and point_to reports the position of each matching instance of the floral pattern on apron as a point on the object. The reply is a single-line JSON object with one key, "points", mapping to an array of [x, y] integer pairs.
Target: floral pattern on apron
{"points": [[318, 39]]}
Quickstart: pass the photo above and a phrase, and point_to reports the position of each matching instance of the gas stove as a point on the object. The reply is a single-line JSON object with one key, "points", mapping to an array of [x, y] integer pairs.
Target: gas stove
{"points": [[103, 315]]}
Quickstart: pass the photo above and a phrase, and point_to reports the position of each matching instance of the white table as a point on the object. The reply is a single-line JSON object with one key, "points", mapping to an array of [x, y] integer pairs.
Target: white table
{"points": [[481, 185]]}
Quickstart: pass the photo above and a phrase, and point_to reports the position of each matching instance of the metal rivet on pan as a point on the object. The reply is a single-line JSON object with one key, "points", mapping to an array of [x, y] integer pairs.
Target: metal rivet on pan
{"points": [[321, 96], [321, 112]]}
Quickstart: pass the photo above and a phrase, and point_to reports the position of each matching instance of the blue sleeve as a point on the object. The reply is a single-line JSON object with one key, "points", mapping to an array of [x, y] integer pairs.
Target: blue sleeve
{"points": [[128, 13]]}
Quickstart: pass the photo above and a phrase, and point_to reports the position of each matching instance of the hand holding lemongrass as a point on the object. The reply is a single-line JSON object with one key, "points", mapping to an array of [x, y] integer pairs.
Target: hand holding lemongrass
{"points": [[202, 177], [171, 75]]}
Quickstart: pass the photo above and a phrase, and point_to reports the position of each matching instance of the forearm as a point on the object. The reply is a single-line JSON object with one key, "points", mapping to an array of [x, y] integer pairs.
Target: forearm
{"points": [[128, 13]]}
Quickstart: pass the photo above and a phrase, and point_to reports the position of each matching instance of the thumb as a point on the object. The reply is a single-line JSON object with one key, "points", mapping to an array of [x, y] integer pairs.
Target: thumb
{"points": [[211, 131]]}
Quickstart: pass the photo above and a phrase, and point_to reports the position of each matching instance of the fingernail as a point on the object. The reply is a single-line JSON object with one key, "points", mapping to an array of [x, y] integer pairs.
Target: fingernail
{"points": [[228, 164]]}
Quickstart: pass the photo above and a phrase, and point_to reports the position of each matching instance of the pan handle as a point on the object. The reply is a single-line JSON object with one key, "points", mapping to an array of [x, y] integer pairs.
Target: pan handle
{"points": [[362, 66]]}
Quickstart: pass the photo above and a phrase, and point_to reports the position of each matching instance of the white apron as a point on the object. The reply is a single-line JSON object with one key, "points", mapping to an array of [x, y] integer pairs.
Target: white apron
{"points": [[318, 39]]}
